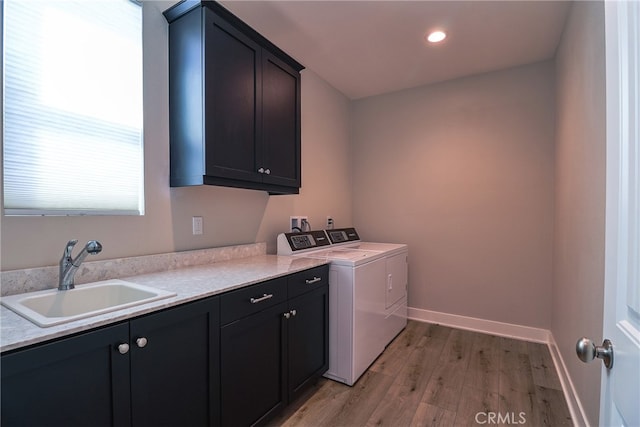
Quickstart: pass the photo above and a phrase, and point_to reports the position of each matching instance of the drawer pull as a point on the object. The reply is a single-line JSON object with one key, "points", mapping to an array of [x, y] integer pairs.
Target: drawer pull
{"points": [[262, 298], [314, 280]]}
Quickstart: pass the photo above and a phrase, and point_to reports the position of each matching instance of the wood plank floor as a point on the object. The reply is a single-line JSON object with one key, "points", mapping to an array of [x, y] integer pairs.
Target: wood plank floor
{"points": [[432, 375]]}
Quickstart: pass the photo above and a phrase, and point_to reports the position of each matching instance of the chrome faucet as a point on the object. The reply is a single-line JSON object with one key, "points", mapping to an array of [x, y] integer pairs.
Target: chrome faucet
{"points": [[69, 266]]}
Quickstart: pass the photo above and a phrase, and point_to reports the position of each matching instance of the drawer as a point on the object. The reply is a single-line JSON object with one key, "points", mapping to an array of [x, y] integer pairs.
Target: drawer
{"points": [[308, 280], [252, 299]]}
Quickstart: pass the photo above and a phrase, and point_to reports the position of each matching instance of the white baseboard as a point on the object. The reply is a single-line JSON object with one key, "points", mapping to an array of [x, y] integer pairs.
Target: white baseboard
{"points": [[509, 330], [578, 415], [525, 333]]}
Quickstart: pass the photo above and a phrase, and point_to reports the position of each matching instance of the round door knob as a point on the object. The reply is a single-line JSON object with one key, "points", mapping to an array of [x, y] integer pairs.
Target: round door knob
{"points": [[141, 342], [587, 350], [123, 348], [287, 315], [293, 312], [261, 170], [267, 171]]}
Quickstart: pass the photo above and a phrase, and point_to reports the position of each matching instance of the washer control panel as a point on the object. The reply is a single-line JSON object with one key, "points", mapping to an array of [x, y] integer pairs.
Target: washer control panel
{"points": [[302, 241], [294, 242]]}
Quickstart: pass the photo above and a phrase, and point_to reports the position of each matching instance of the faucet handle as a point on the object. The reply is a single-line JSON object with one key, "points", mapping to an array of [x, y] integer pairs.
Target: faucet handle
{"points": [[69, 248]]}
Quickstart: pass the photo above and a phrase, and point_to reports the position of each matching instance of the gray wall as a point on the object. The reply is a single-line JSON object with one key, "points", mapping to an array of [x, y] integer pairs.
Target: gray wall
{"points": [[578, 277], [231, 216], [462, 171]]}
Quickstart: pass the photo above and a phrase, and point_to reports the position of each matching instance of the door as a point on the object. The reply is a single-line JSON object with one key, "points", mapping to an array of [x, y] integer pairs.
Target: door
{"points": [[620, 391], [77, 381], [252, 362], [174, 366], [280, 122], [308, 333], [233, 98]]}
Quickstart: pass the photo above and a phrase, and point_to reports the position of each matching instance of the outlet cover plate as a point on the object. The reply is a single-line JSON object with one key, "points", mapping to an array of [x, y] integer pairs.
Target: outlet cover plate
{"points": [[197, 225]]}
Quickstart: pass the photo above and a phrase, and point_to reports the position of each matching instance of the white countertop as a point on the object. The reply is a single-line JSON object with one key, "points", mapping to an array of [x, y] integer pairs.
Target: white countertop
{"points": [[189, 284]]}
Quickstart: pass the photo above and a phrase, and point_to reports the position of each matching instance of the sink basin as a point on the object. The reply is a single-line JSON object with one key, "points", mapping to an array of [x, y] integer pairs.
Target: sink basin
{"points": [[54, 307]]}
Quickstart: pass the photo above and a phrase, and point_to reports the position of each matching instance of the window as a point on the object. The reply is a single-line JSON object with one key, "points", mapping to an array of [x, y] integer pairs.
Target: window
{"points": [[73, 107]]}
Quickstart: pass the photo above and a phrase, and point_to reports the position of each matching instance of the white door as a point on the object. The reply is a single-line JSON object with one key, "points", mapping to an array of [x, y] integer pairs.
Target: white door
{"points": [[620, 396]]}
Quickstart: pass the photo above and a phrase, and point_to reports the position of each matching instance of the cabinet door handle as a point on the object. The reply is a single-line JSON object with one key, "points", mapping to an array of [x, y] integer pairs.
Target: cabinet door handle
{"points": [[123, 348], [261, 170], [293, 312], [141, 342], [314, 280], [267, 171], [287, 315], [262, 298]]}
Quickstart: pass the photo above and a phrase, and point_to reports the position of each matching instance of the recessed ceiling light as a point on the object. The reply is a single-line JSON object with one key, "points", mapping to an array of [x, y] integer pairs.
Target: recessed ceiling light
{"points": [[436, 36]]}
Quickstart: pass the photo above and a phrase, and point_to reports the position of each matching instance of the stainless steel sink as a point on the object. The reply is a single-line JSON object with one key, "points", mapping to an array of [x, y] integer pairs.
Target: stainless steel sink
{"points": [[54, 307]]}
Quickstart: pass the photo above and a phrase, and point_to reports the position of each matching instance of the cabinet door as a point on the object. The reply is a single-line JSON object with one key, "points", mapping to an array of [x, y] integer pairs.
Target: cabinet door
{"points": [[308, 333], [77, 381], [174, 366], [252, 363], [280, 122], [232, 101]]}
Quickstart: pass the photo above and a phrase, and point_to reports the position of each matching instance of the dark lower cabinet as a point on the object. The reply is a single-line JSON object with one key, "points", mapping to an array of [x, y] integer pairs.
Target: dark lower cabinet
{"points": [[308, 334], [231, 360], [77, 381], [157, 370], [269, 356], [253, 367], [174, 366]]}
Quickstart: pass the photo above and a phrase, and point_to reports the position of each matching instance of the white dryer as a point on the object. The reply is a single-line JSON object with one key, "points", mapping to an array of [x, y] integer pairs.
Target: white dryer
{"points": [[367, 295]]}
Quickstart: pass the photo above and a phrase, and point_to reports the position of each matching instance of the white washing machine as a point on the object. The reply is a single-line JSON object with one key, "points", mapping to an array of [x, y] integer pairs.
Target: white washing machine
{"points": [[367, 295]]}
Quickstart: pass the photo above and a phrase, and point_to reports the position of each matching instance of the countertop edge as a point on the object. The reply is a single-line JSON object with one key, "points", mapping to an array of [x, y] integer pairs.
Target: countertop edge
{"points": [[189, 283]]}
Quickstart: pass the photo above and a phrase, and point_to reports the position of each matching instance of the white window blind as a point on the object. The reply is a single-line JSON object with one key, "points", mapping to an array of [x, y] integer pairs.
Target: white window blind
{"points": [[73, 107]]}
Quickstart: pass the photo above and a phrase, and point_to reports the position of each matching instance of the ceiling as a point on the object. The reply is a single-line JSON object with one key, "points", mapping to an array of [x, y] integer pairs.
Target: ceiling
{"points": [[365, 48]]}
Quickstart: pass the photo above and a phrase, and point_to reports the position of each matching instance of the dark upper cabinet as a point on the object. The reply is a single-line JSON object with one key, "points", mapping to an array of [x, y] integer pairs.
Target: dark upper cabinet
{"points": [[234, 102], [280, 131], [233, 92]]}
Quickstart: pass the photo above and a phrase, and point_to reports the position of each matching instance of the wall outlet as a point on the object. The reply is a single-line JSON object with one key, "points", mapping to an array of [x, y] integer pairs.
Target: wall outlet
{"points": [[197, 225], [297, 223], [329, 223]]}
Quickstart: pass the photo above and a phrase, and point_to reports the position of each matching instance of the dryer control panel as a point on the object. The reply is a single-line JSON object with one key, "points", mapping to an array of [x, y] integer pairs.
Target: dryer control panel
{"points": [[342, 235]]}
